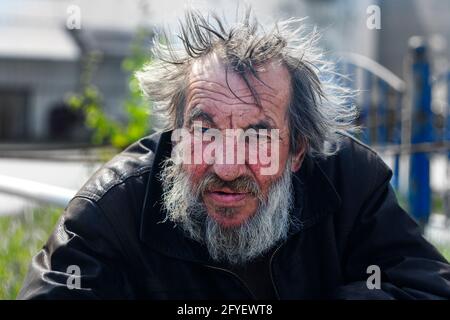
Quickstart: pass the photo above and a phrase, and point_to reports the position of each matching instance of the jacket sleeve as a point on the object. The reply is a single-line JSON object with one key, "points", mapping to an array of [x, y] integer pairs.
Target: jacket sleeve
{"points": [[384, 235], [81, 259]]}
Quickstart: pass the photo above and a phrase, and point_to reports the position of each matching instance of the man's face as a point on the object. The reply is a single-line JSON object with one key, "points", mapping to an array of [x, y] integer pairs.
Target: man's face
{"points": [[210, 100]]}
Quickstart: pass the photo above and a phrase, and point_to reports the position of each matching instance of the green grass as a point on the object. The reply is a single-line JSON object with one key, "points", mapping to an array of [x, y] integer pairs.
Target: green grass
{"points": [[445, 250], [21, 237]]}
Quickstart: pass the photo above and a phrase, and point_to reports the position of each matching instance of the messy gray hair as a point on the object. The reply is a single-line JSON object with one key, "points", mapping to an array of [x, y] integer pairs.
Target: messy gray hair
{"points": [[319, 108]]}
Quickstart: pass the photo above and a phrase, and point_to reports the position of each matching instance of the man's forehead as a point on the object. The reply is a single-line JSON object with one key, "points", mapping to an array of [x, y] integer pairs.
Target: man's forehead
{"points": [[274, 79]]}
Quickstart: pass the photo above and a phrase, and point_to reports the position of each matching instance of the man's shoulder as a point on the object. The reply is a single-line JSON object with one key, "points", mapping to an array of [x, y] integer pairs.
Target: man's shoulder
{"points": [[355, 161], [131, 164], [357, 150]]}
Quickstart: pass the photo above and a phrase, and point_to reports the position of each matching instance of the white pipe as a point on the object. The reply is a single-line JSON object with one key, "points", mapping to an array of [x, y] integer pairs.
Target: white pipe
{"points": [[374, 67], [37, 191]]}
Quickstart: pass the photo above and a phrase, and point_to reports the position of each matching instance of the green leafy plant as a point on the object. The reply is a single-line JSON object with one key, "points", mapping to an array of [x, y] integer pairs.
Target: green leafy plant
{"points": [[136, 108]]}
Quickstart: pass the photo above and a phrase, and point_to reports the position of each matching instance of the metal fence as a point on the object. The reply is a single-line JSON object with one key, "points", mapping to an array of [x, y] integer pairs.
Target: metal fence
{"points": [[406, 120]]}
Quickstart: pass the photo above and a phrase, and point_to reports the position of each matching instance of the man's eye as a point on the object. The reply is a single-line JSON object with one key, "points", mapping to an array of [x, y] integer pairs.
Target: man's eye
{"points": [[200, 130], [264, 137]]}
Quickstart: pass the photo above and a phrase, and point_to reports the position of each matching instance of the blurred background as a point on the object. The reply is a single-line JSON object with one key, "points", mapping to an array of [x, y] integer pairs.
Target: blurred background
{"points": [[69, 102]]}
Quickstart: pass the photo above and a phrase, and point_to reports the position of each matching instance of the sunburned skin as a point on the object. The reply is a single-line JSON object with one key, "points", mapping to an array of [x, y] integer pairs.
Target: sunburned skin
{"points": [[210, 101]]}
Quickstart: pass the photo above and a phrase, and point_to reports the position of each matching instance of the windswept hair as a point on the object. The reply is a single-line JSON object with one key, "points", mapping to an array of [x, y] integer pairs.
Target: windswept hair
{"points": [[319, 108]]}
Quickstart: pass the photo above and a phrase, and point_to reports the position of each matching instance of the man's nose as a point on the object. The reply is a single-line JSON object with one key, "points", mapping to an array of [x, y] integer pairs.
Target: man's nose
{"points": [[226, 164], [229, 172]]}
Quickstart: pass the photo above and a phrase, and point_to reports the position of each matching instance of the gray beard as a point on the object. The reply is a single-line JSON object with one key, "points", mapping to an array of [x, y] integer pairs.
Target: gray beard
{"points": [[235, 245]]}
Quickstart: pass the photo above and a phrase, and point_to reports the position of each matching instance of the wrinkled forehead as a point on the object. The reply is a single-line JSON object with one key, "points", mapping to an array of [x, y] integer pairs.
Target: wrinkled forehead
{"points": [[211, 73]]}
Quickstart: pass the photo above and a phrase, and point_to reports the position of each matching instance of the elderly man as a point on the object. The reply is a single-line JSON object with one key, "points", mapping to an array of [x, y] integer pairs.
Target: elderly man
{"points": [[254, 190]]}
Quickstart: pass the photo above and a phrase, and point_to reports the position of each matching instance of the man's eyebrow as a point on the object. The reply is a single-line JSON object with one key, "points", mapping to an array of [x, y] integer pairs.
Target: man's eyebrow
{"points": [[263, 124], [198, 114]]}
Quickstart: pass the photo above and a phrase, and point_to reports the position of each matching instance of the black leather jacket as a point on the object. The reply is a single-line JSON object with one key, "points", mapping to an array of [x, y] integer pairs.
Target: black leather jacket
{"points": [[350, 219]]}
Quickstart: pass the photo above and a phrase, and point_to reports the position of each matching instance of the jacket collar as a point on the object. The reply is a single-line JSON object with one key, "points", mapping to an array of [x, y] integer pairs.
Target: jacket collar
{"points": [[315, 198]]}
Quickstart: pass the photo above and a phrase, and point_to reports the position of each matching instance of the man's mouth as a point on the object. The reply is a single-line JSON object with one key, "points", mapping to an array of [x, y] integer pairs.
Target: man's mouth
{"points": [[227, 196]]}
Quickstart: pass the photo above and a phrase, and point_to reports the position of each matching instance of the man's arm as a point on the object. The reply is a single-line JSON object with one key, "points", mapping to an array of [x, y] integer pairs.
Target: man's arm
{"points": [[384, 235], [81, 259]]}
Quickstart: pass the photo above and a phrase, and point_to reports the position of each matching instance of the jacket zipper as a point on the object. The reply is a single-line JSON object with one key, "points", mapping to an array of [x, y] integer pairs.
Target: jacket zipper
{"points": [[236, 276], [271, 272], [243, 283]]}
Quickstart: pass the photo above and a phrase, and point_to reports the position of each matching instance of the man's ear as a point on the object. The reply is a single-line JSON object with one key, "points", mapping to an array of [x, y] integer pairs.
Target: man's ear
{"points": [[297, 159]]}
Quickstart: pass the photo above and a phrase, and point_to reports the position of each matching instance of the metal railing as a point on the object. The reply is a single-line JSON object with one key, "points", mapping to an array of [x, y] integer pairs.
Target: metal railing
{"points": [[398, 120], [36, 191]]}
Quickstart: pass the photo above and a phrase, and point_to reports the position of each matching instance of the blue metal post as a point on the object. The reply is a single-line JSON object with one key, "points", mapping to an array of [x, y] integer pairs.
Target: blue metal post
{"points": [[421, 131], [382, 124], [397, 140]]}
